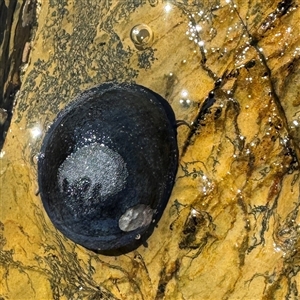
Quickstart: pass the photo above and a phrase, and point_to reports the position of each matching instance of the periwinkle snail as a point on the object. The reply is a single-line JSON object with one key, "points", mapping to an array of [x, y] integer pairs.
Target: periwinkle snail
{"points": [[107, 166]]}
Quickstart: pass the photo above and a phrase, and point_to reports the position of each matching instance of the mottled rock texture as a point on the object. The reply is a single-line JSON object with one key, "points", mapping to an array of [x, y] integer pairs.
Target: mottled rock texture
{"points": [[228, 68]]}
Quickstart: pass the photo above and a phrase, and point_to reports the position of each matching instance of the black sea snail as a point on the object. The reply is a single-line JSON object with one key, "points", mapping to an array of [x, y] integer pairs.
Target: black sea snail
{"points": [[107, 166]]}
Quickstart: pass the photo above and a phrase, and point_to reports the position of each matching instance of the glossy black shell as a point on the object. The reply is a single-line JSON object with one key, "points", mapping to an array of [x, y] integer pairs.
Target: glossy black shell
{"points": [[107, 166]]}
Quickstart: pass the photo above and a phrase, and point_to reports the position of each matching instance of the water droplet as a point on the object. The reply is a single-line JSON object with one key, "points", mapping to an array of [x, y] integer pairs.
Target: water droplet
{"points": [[35, 132], [168, 8], [2, 152], [142, 36], [185, 103]]}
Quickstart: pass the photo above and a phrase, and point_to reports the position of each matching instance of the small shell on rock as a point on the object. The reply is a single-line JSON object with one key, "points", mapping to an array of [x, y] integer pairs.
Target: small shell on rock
{"points": [[108, 164]]}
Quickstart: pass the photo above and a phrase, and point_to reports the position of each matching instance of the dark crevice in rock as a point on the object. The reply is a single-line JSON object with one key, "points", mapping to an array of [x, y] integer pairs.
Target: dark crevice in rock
{"points": [[11, 59]]}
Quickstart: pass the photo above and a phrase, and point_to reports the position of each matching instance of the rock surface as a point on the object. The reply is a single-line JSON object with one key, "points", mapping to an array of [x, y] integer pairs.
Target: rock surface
{"points": [[231, 227]]}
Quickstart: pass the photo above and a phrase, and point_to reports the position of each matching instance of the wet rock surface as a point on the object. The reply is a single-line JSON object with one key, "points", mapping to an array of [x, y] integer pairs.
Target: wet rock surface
{"points": [[231, 228]]}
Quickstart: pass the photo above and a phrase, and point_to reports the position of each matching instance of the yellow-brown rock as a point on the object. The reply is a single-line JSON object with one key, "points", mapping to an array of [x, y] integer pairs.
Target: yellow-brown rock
{"points": [[231, 228]]}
